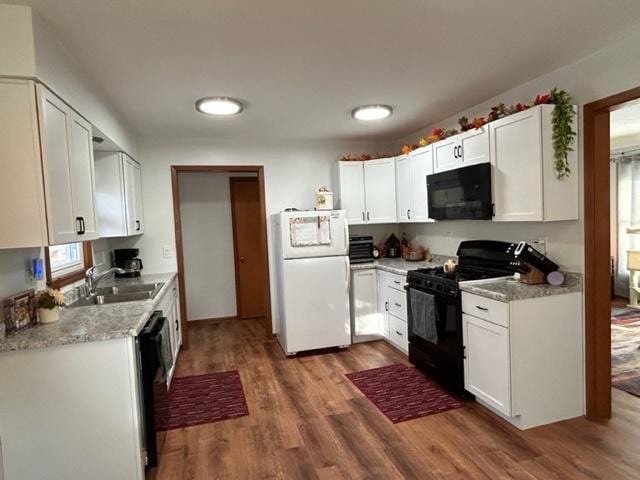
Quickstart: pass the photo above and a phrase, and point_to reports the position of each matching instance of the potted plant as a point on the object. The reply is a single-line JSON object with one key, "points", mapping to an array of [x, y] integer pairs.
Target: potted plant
{"points": [[49, 302]]}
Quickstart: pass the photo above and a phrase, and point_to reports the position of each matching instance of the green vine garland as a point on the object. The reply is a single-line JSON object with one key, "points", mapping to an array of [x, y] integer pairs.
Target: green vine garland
{"points": [[563, 134]]}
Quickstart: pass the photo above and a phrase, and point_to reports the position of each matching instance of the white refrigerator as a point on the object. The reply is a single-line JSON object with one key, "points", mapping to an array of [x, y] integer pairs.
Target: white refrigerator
{"points": [[313, 276]]}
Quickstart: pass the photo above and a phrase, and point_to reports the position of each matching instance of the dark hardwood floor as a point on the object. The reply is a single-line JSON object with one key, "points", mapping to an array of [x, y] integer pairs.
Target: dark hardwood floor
{"points": [[307, 421]]}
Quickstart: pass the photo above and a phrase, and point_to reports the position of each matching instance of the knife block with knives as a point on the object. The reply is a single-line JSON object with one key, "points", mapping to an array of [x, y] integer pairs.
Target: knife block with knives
{"points": [[534, 266]]}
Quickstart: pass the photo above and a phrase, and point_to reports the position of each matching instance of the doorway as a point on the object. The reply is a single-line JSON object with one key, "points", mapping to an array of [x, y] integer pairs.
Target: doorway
{"points": [[221, 243], [598, 271]]}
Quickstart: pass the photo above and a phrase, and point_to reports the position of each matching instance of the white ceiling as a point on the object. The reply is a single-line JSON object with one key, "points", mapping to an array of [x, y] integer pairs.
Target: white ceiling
{"points": [[301, 66]]}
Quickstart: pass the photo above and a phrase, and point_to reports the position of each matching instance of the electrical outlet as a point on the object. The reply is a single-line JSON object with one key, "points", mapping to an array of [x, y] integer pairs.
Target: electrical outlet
{"points": [[540, 244], [166, 251]]}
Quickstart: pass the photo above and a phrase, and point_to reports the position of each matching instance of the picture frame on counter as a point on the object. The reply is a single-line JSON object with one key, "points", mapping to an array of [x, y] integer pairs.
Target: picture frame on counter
{"points": [[19, 312]]}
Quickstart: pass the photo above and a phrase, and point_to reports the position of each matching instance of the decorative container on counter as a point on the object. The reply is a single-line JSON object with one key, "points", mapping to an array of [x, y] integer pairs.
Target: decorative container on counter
{"points": [[49, 315], [324, 199]]}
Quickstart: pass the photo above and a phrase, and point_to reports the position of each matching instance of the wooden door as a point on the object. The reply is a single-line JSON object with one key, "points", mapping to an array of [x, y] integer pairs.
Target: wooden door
{"points": [[250, 256], [352, 191], [380, 190]]}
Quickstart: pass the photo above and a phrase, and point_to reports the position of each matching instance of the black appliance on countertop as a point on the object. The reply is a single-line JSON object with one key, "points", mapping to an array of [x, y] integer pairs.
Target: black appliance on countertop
{"points": [[462, 193], [444, 360], [360, 248], [126, 259]]}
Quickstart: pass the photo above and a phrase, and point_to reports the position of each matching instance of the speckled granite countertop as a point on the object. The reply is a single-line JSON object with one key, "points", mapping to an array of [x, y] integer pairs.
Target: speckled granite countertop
{"points": [[92, 323], [400, 266], [510, 289]]}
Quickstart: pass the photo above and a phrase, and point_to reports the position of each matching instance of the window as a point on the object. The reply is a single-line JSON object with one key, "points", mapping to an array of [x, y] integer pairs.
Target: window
{"points": [[67, 263], [65, 258]]}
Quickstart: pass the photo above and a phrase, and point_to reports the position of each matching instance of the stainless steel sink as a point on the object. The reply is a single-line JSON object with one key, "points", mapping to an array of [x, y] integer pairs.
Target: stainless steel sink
{"points": [[120, 293]]}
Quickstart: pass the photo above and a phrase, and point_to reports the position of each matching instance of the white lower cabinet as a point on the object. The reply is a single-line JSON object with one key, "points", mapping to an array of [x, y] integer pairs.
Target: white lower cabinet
{"points": [[486, 362], [366, 321], [398, 333], [524, 358]]}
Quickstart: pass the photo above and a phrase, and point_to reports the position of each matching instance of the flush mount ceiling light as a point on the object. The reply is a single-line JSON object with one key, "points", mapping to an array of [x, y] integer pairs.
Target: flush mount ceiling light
{"points": [[222, 106], [372, 112]]}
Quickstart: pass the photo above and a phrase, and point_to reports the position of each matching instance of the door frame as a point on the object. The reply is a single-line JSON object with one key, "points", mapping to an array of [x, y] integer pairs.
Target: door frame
{"points": [[236, 258], [597, 285], [175, 171]]}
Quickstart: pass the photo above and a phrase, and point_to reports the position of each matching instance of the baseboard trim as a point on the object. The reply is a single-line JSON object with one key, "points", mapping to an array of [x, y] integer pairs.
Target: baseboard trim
{"points": [[217, 319]]}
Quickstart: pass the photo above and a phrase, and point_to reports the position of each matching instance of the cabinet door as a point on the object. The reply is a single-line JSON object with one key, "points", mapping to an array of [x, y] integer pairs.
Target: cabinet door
{"points": [[380, 190], [364, 305], [383, 303], [133, 195], [403, 188], [21, 168], [352, 191], [54, 123], [474, 145], [445, 154], [110, 196], [137, 190], [420, 165], [487, 372], [82, 175], [516, 159]]}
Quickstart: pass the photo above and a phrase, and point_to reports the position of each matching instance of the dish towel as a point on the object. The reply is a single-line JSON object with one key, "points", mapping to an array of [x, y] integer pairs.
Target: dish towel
{"points": [[165, 355], [424, 315]]}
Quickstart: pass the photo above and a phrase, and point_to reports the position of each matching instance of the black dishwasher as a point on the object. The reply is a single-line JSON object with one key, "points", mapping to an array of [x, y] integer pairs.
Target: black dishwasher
{"points": [[149, 348]]}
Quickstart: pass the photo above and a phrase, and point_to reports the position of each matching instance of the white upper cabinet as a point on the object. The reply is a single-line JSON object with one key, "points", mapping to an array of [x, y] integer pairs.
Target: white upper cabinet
{"points": [[474, 146], [420, 165], [403, 188], [23, 214], [524, 183], [411, 184], [380, 190], [119, 195], [446, 154], [82, 175], [67, 160], [368, 190], [352, 191]]}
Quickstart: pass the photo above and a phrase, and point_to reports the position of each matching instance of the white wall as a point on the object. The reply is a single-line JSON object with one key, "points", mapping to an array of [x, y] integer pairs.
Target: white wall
{"points": [[207, 238], [611, 70], [17, 55], [293, 172]]}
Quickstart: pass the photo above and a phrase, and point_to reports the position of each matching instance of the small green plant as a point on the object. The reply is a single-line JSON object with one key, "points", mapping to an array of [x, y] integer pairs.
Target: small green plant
{"points": [[563, 134], [50, 299]]}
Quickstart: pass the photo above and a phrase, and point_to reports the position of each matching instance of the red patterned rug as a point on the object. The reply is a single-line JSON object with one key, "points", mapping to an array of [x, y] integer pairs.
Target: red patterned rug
{"points": [[200, 399], [625, 349], [403, 393]]}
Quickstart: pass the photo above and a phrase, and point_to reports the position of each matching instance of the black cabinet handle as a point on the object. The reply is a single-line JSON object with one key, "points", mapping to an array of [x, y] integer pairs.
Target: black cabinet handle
{"points": [[386, 306], [363, 219], [80, 222], [484, 309], [137, 225], [399, 333], [368, 218], [408, 213], [396, 282], [397, 304], [84, 228]]}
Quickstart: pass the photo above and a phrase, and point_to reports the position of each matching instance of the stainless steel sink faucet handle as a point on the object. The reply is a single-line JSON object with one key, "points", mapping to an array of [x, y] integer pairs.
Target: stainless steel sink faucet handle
{"points": [[92, 278]]}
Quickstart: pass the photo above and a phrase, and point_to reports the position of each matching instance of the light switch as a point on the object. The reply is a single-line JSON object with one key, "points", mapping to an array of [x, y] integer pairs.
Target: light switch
{"points": [[166, 251]]}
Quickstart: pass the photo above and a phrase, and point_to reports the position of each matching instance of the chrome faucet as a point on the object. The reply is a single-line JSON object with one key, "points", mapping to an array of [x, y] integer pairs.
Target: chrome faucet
{"points": [[92, 278]]}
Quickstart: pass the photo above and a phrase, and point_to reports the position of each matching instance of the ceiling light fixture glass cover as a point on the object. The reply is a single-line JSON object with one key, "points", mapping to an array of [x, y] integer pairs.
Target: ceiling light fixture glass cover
{"points": [[372, 112], [219, 106]]}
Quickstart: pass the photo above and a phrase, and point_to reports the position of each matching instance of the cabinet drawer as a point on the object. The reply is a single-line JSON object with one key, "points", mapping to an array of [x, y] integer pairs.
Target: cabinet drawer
{"points": [[486, 309], [397, 303], [398, 333], [395, 281]]}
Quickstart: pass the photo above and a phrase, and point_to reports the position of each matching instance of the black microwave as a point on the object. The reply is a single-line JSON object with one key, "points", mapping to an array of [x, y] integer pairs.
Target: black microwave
{"points": [[463, 193]]}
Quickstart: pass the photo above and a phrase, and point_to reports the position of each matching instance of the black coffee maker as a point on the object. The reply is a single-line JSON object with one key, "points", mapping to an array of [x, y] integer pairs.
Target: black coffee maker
{"points": [[126, 259]]}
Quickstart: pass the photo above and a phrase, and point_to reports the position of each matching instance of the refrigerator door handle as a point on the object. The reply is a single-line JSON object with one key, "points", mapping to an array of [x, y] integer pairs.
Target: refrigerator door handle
{"points": [[346, 262], [346, 235]]}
